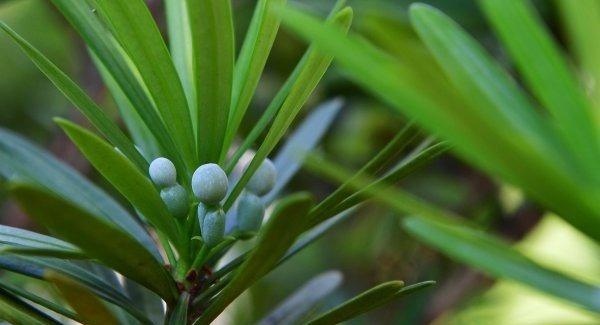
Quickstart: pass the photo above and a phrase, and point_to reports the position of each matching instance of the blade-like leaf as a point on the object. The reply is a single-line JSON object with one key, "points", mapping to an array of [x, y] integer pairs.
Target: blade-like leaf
{"points": [[284, 226], [251, 62], [134, 186], [289, 159], [96, 237], [136, 31], [20, 159], [303, 300], [498, 259], [17, 239], [546, 72], [213, 47], [316, 66], [80, 99], [180, 313], [367, 301], [18, 312], [87, 306]]}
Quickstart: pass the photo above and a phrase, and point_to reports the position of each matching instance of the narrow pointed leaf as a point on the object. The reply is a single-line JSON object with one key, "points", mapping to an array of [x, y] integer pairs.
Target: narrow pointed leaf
{"points": [[87, 306], [18, 312], [96, 237], [367, 301], [496, 258], [138, 34], [16, 239], [251, 62], [80, 99], [22, 160], [211, 24], [284, 226], [132, 184]]}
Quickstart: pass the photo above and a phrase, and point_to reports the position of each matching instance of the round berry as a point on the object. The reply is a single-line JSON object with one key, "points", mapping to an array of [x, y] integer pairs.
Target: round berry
{"points": [[209, 183], [250, 211], [176, 200], [162, 172], [263, 181], [213, 227]]}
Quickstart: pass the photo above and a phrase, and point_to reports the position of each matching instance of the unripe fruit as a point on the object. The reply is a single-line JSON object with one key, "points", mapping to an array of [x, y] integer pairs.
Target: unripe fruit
{"points": [[209, 183], [263, 180], [250, 212], [202, 210], [213, 227], [176, 200], [163, 172]]}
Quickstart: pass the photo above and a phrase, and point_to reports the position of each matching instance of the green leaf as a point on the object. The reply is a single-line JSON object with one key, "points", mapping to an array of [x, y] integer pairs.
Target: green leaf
{"points": [[80, 99], [285, 224], [291, 156], [40, 301], [24, 241], [180, 313], [96, 237], [211, 24], [367, 301], [316, 65], [134, 186], [87, 306], [546, 72], [251, 62], [22, 160], [496, 258], [135, 29], [303, 300], [18, 312], [99, 38]]}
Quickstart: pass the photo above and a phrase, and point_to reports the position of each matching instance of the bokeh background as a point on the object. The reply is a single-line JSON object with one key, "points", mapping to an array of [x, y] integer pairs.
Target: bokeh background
{"points": [[370, 247]]}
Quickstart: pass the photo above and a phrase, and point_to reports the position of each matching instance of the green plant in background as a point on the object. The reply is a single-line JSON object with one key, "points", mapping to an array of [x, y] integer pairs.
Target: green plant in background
{"points": [[192, 200], [549, 147]]}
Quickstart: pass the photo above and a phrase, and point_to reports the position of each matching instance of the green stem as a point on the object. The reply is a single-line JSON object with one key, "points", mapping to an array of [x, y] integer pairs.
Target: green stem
{"points": [[201, 257]]}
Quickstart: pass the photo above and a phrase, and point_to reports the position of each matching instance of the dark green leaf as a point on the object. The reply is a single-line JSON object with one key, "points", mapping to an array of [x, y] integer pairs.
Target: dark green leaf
{"points": [[19, 240], [18, 312]]}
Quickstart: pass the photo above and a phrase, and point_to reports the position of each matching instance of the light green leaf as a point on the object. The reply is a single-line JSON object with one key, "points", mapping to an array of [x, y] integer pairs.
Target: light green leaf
{"points": [[80, 99], [22, 160], [211, 24], [496, 258], [24, 241], [367, 301], [136, 31], [87, 306], [134, 186], [316, 65], [546, 72], [96, 237], [251, 62], [285, 224], [179, 315], [18, 312]]}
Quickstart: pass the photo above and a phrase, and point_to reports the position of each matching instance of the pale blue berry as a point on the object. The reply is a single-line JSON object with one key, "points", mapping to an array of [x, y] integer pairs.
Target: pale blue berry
{"points": [[250, 212], [263, 180], [209, 183], [213, 227], [176, 200], [163, 172], [202, 210]]}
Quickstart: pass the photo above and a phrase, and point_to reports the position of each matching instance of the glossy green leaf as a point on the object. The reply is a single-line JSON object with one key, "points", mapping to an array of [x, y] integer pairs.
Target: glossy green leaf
{"points": [[22, 160], [303, 300], [251, 62], [80, 99], [546, 72], [290, 157], [96, 237], [20, 240], [367, 301], [285, 225], [496, 258], [40, 301], [135, 29], [316, 66], [179, 315], [84, 18], [87, 306], [211, 24], [18, 312], [132, 184]]}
